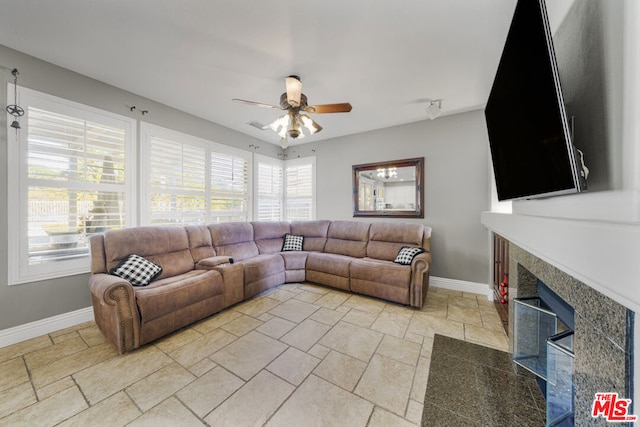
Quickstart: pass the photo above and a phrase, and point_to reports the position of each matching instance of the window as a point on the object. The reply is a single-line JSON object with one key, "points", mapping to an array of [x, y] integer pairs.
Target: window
{"points": [[269, 183], [285, 189], [229, 186], [188, 180], [70, 174], [177, 182], [300, 191]]}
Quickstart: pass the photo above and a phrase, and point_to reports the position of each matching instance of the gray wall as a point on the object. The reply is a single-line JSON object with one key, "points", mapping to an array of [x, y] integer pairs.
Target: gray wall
{"points": [[28, 302], [589, 49], [456, 155]]}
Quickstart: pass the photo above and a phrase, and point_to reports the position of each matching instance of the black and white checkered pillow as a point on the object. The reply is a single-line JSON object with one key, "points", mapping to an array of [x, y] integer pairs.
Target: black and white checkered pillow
{"points": [[137, 270], [406, 255], [292, 242]]}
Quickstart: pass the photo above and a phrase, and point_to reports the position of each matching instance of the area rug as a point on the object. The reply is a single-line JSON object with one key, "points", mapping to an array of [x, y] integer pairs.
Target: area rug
{"points": [[473, 385]]}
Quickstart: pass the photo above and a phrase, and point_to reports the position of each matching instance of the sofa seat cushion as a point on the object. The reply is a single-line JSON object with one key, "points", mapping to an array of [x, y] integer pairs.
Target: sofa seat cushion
{"points": [[295, 260], [262, 266], [387, 272], [329, 269], [337, 265], [173, 293]]}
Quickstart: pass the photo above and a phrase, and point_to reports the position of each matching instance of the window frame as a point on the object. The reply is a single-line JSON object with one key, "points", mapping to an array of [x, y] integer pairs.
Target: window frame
{"points": [[18, 183]]}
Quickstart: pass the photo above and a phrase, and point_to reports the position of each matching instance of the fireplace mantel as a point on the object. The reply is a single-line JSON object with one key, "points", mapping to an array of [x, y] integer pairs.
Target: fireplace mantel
{"points": [[604, 255]]}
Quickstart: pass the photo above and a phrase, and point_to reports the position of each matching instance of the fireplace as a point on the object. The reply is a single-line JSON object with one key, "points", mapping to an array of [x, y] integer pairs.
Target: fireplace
{"points": [[602, 339], [543, 330]]}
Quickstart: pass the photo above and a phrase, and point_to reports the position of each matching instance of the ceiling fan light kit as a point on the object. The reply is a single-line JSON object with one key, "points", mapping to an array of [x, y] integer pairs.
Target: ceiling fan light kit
{"points": [[294, 124], [308, 123], [294, 90]]}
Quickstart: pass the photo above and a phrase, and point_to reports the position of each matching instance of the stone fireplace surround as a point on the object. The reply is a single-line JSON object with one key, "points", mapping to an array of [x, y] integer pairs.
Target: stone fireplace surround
{"points": [[603, 330]]}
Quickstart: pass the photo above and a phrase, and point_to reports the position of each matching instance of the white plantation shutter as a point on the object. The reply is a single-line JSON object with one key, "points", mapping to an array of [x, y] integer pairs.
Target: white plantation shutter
{"points": [[74, 181], [188, 180], [76, 176], [177, 176], [300, 189], [229, 188], [270, 182]]}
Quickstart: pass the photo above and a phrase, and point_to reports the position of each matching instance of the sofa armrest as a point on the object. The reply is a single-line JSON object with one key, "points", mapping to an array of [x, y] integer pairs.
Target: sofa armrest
{"points": [[214, 261], [232, 276], [420, 268], [115, 310]]}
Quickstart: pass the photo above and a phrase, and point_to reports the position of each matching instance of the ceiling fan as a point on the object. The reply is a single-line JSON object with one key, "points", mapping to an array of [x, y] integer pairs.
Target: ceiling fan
{"points": [[295, 124]]}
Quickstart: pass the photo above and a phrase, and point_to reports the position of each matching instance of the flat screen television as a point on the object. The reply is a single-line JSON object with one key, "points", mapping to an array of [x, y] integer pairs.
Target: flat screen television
{"points": [[529, 134]]}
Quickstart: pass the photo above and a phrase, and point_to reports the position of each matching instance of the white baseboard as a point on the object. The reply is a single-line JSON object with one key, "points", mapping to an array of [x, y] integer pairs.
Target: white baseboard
{"points": [[462, 285], [41, 327]]}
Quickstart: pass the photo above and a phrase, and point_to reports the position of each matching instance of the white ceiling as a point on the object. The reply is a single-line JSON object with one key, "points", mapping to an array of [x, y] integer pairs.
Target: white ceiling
{"points": [[386, 58]]}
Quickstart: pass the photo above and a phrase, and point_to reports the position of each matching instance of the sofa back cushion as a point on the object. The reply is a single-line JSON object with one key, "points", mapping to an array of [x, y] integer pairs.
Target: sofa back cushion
{"points": [[269, 235], [200, 242], [314, 232], [166, 246], [347, 238], [233, 239], [386, 239], [98, 257]]}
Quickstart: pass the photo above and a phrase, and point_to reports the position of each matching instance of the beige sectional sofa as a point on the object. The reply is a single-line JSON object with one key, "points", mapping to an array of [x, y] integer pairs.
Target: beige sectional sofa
{"points": [[198, 279]]}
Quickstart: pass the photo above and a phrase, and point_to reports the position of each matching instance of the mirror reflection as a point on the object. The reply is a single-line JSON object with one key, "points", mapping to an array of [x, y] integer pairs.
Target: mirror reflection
{"points": [[389, 188]]}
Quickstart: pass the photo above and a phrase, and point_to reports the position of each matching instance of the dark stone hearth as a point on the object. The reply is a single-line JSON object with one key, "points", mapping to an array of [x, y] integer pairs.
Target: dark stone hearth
{"points": [[473, 385]]}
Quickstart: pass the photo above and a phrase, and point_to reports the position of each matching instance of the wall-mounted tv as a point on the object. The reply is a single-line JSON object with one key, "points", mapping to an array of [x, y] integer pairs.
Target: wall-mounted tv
{"points": [[529, 134]]}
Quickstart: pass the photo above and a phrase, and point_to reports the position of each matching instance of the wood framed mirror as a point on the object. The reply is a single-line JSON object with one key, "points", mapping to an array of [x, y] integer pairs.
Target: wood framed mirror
{"points": [[389, 189]]}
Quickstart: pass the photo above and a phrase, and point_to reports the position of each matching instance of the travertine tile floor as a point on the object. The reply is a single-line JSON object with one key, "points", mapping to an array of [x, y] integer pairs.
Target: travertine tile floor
{"points": [[297, 355]]}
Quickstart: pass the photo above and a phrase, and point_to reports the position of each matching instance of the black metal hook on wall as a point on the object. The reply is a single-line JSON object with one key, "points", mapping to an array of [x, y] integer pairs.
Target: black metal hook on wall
{"points": [[133, 107]]}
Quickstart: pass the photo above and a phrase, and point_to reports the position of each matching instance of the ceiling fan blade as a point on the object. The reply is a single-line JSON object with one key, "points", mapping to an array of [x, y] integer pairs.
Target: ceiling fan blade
{"points": [[257, 104], [294, 90], [344, 107]]}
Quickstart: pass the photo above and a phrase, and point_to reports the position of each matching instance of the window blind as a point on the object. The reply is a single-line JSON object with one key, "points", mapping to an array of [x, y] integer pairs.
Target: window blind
{"points": [[229, 188], [188, 180], [270, 192], [177, 183], [299, 192], [76, 183]]}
